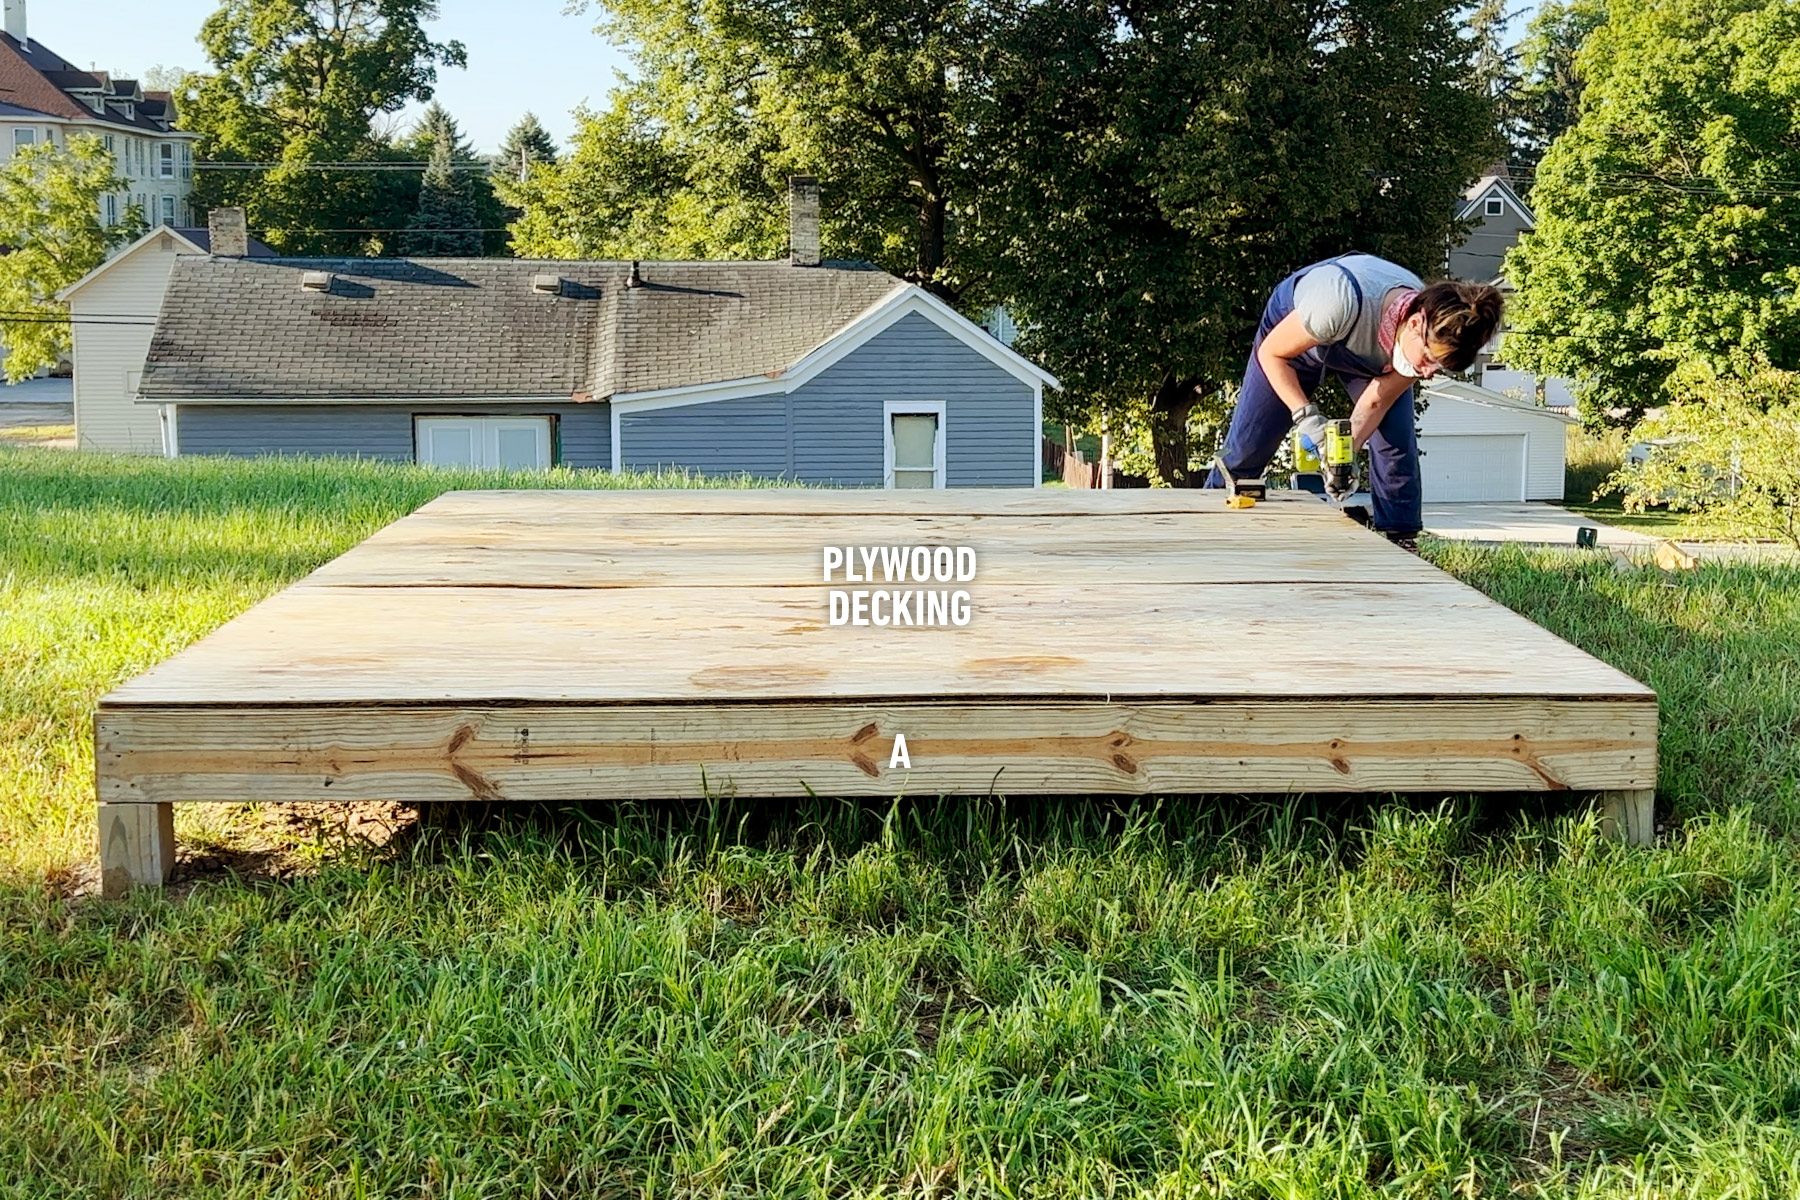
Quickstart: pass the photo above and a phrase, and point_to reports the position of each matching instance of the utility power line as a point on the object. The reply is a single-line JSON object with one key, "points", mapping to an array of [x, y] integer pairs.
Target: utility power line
{"points": [[42, 319], [383, 229], [406, 165]]}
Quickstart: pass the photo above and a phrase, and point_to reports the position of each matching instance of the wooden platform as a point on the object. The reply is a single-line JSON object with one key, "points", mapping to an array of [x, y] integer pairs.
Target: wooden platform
{"points": [[590, 645]]}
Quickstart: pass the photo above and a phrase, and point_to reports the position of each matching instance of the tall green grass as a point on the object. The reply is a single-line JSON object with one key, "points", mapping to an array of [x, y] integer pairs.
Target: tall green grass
{"points": [[1589, 460], [109, 564], [1304, 997]]}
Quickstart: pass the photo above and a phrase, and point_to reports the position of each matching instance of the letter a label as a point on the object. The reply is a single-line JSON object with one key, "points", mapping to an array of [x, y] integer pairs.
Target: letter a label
{"points": [[899, 758]]}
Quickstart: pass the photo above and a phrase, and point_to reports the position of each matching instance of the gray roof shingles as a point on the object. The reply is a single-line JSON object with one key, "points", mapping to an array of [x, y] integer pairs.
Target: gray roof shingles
{"points": [[243, 328]]}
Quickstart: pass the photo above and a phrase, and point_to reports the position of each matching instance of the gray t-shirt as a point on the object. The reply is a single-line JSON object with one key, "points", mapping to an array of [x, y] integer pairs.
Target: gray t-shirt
{"points": [[1329, 308]]}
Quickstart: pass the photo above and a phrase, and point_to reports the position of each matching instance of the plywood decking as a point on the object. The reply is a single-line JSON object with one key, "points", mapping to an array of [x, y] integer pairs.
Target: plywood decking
{"points": [[569, 645]]}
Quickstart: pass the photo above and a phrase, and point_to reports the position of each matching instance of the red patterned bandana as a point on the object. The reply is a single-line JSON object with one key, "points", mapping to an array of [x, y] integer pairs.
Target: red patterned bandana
{"points": [[1390, 317]]}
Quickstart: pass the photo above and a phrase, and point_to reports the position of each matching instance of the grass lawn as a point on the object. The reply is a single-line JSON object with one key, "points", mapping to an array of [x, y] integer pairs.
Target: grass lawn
{"points": [[1225, 997], [1682, 526]]}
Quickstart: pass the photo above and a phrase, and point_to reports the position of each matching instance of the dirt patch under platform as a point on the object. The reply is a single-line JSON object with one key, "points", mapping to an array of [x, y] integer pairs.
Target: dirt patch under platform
{"points": [[268, 842]]}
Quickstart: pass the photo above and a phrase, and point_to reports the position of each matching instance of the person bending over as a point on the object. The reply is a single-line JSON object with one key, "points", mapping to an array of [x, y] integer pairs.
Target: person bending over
{"points": [[1378, 328]]}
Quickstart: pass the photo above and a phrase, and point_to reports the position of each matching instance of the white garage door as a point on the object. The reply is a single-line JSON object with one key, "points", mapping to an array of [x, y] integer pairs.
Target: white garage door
{"points": [[1472, 466]]}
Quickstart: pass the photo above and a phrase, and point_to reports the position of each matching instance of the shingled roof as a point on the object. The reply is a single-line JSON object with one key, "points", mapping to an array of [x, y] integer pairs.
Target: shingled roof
{"points": [[40, 81], [244, 328]]}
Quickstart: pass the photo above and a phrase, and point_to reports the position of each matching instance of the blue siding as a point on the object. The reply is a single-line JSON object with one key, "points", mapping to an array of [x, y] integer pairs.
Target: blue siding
{"points": [[829, 431], [383, 431], [748, 436]]}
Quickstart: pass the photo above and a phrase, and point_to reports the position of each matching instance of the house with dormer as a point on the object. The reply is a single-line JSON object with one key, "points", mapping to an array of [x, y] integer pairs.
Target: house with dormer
{"points": [[1498, 216], [45, 98]]}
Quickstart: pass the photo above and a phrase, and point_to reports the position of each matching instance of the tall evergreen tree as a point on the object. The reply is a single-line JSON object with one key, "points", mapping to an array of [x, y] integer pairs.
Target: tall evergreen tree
{"points": [[433, 125], [527, 142], [1550, 87], [444, 223], [471, 177], [1494, 65]]}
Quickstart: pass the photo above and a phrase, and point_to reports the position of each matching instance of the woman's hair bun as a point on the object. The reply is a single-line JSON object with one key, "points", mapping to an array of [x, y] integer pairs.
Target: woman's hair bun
{"points": [[1460, 318]]}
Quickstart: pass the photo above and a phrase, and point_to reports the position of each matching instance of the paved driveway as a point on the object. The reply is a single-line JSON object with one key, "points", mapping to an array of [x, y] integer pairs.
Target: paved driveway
{"points": [[35, 403], [1550, 525], [1544, 524]]}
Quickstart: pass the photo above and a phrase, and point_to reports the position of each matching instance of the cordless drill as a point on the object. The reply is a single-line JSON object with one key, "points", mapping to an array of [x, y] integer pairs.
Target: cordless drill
{"points": [[1334, 462]]}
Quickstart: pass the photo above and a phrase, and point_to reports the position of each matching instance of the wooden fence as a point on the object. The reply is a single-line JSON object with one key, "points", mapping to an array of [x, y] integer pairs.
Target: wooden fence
{"points": [[1069, 466]]}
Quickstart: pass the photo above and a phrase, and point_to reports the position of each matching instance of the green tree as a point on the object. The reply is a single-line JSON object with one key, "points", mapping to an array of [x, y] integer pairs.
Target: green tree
{"points": [[50, 223], [625, 191], [527, 143], [444, 225], [1727, 448], [434, 126], [728, 100], [1494, 64], [1549, 90], [299, 83], [1665, 245], [1154, 168], [457, 197], [528, 147]]}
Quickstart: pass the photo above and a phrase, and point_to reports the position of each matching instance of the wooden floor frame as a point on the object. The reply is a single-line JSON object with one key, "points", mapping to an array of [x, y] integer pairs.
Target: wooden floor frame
{"points": [[644, 645]]}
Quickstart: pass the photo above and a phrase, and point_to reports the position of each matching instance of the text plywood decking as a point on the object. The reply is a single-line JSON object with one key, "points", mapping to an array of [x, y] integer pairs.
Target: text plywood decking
{"points": [[587, 645]]}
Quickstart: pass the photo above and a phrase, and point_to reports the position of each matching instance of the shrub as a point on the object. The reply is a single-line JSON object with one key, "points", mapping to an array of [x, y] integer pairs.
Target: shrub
{"points": [[1730, 449]]}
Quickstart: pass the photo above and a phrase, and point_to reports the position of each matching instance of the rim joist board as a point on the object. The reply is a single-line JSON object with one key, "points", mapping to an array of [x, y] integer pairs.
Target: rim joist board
{"points": [[561, 645]]}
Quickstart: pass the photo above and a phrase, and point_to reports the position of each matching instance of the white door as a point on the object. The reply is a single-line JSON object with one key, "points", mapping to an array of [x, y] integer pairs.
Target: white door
{"points": [[914, 449], [512, 443], [449, 441], [518, 443], [1472, 466]]}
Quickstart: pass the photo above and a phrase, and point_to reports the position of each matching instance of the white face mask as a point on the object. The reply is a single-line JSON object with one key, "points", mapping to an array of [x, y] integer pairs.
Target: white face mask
{"points": [[1403, 364]]}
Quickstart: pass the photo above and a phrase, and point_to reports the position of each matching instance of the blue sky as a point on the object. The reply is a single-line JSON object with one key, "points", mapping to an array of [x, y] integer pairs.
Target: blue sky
{"points": [[523, 54]]}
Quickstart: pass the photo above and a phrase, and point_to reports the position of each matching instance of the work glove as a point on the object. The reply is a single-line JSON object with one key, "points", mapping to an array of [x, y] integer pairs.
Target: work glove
{"points": [[1311, 425], [1336, 496]]}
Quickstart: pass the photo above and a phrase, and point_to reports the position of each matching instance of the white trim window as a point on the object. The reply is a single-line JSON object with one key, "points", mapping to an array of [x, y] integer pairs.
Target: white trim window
{"points": [[109, 210], [168, 210], [912, 443], [1495, 206], [23, 137], [165, 160], [506, 443], [187, 161]]}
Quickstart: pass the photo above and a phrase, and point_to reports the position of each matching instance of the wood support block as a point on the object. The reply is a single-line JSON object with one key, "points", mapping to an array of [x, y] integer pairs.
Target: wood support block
{"points": [[1629, 815], [137, 846]]}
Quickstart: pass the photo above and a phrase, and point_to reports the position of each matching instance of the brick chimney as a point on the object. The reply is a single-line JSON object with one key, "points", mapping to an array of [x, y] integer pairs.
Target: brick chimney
{"points": [[15, 19], [229, 235], [803, 220]]}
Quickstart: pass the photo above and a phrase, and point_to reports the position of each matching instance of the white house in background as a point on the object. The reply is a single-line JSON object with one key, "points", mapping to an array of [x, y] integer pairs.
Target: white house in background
{"points": [[45, 98], [1479, 444], [113, 310]]}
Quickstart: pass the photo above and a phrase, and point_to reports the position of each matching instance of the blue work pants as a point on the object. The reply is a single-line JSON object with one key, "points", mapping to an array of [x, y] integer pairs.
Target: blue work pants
{"points": [[1260, 421]]}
